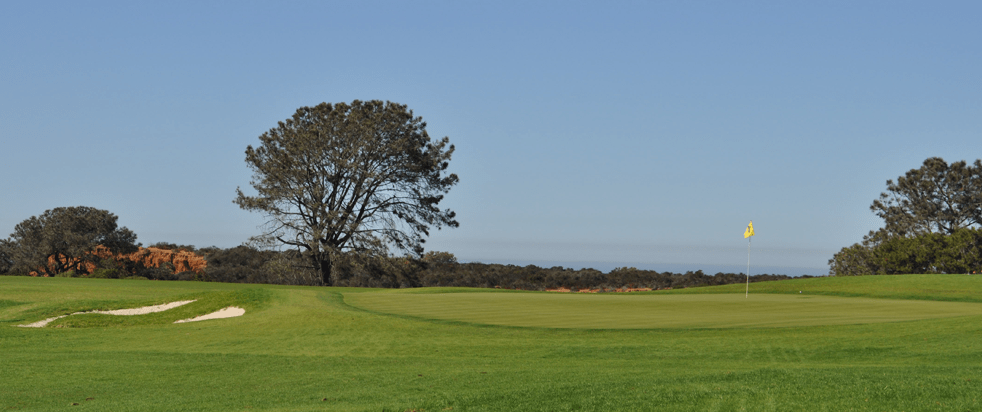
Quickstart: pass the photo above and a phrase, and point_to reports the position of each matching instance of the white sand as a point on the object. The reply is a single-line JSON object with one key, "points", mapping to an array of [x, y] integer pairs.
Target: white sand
{"points": [[229, 312], [118, 312], [142, 311], [41, 324]]}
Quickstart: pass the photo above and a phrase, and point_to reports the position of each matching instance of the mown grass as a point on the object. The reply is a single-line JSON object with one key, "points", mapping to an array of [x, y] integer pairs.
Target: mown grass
{"points": [[627, 311], [954, 288], [305, 349]]}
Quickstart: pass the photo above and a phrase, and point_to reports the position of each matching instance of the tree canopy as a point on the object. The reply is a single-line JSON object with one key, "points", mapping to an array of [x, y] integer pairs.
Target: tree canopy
{"points": [[931, 217], [63, 238], [935, 198], [361, 176], [6, 261]]}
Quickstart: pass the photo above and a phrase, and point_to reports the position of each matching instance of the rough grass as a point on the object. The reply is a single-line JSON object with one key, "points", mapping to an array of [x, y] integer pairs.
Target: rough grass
{"points": [[305, 349]]}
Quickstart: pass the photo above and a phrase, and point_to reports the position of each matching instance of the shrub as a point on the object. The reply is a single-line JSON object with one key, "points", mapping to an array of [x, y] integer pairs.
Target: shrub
{"points": [[959, 252], [65, 238], [102, 273]]}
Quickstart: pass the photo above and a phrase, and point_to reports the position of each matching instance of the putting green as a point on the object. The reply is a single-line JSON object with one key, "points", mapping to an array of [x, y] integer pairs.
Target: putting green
{"points": [[610, 311]]}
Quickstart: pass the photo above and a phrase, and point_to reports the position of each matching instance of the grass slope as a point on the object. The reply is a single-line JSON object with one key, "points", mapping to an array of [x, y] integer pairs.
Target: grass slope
{"points": [[306, 349]]}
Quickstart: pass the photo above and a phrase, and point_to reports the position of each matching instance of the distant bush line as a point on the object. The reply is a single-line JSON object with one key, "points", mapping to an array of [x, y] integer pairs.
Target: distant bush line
{"points": [[245, 264]]}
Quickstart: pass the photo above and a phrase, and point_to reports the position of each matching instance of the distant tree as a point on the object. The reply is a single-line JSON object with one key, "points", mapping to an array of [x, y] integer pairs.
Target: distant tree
{"points": [[239, 264], [63, 239], [434, 257], [935, 198], [174, 247], [6, 261], [350, 177], [289, 268], [857, 260]]}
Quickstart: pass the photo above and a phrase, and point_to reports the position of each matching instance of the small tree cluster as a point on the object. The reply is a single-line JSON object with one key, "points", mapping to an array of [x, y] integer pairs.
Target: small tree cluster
{"points": [[932, 215], [959, 252], [6, 261], [63, 240]]}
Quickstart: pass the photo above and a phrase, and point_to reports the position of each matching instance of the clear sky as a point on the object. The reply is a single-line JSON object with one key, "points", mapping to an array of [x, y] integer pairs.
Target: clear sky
{"points": [[587, 134]]}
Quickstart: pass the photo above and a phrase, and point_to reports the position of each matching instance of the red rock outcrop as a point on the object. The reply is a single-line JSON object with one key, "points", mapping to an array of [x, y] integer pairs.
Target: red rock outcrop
{"points": [[182, 260]]}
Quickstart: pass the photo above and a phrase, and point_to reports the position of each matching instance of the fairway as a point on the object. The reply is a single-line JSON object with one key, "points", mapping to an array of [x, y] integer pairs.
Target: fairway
{"points": [[852, 344], [621, 311]]}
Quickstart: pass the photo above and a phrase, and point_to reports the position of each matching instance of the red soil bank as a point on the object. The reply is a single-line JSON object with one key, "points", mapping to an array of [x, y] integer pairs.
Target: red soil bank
{"points": [[182, 260]]}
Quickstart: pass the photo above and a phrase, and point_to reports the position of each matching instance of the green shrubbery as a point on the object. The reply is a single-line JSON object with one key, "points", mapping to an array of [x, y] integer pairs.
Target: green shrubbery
{"points": [[244, 264], [64, 239], [6, 260], [256, 263], [532, 277], [959, 252], [932, 217]]}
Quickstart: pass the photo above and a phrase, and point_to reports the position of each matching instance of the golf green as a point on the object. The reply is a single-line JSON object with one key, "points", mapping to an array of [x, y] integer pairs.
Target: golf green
{"points": [[624, 311]]}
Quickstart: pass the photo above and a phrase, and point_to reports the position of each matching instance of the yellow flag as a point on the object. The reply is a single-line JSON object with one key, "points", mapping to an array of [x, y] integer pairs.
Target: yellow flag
{"points": [[750, 230]]}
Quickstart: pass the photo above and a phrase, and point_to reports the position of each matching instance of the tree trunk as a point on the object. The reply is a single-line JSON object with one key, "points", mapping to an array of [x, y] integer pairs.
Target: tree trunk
{"points": [[325, 267]]}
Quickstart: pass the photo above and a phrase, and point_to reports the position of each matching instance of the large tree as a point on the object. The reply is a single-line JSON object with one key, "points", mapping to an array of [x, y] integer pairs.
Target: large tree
{"points": [[64, 238], [340, 177], [935, 198]]}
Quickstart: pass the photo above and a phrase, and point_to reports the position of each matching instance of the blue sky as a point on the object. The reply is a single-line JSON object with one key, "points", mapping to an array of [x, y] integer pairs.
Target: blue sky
{"points": [[589, 134]]}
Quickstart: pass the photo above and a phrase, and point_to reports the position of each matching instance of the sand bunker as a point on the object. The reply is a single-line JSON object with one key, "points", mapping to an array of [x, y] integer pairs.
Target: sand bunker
{"points": [[229, 312], [118, 312], [41, 324], [142, 311]]}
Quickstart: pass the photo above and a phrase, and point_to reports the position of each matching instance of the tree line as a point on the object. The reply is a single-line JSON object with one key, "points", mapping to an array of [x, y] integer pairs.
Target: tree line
{"points": [[246, 264], [49, 245], [933, 224]]}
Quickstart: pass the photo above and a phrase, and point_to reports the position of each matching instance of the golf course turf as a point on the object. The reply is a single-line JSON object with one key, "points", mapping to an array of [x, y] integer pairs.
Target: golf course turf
{"points": [[903, 343], [619, 311]]}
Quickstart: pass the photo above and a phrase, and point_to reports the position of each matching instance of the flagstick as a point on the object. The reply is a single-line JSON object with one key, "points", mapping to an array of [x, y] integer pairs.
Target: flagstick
{"points": [[748, 267]]}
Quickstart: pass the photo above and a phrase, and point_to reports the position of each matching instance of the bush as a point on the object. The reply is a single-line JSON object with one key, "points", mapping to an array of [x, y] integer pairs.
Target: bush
{"points": [[246, 264], [532, 277], [377, 271], [959, 252], [102, 273], [65, 238], [241, 264], [174, 247], [290, 268]]}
